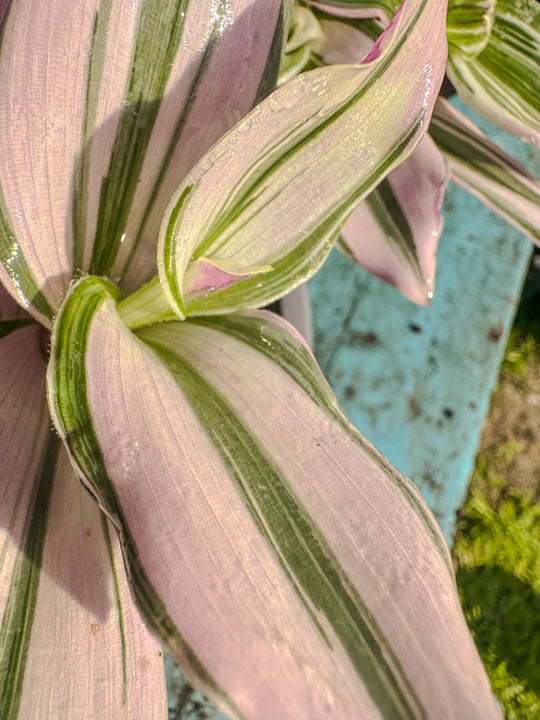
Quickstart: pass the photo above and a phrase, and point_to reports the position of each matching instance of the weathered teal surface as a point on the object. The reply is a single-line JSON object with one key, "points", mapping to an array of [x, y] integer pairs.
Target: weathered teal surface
{"points": [[417, 381]]}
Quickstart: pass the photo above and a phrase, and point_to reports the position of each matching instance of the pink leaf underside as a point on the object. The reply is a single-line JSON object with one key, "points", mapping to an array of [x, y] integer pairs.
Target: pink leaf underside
{"points": [[212, 567], [205, 276], [383, 39], [418, 185], [75, 666], [342, 43], [42, 125]]}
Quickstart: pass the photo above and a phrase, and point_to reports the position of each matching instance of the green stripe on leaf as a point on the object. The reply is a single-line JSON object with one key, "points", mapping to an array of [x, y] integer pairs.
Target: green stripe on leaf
{"points": [[16, 628], [69, 406], [15, 264], [294, 359], [295, 542], [232, 222], [150, 69], [502, 81], [487, 171], [96, 66]]}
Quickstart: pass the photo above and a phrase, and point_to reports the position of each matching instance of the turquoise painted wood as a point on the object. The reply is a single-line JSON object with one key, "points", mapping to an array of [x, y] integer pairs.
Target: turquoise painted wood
{"points": [[417, 381]]}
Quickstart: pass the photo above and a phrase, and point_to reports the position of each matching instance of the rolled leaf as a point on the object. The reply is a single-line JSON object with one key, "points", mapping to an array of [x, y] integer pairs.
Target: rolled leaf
{"points": [[104, 117], [468, 25], [394, 233], [304, 29], [72, 645], [502, 83], [293, 572], [484, 170], [278, 188]]}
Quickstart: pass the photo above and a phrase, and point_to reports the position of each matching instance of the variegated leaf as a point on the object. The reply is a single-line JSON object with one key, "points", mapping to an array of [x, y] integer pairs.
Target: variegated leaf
{"points": [[395, 231], [107, 104], [380, 10], [262, 209], [293, 571], [503, 81], [468, 25], [484, 170], [304, 30], [72, 645]]}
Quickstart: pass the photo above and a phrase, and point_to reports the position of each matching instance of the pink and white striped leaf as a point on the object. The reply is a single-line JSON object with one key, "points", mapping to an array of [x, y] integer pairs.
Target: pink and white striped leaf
{"points": [[72, 645], [484, 170], [394, 232], [502, 82], [107, 104], [277, 189], [291, 570], [380, 10]]}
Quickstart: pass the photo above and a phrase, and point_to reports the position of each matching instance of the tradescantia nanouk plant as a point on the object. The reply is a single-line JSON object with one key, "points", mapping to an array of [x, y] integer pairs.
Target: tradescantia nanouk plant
{"points": [[154, 194]]}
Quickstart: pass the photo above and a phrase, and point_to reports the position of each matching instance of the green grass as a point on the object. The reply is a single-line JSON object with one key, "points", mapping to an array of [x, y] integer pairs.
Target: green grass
{"points": [[498, 575], [524, 342], [497, 554]]}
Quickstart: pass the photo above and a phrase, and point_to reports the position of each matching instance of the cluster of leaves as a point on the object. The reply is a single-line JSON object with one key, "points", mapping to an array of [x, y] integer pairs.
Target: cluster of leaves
{"points": [[286, 565]]}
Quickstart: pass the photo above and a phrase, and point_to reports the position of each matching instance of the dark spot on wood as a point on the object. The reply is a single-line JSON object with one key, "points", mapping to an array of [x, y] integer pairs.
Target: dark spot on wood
{"points": [[415, 328], [414, 407], [368, 339], [350, 392], [432, 483], [494, 333], [448, 413]]}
